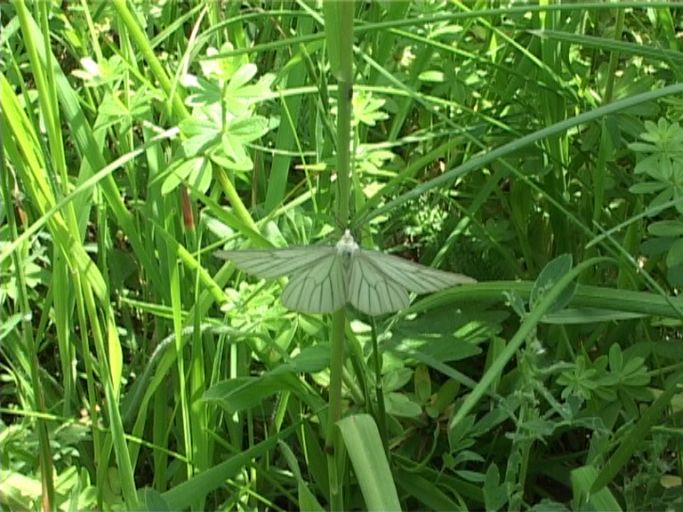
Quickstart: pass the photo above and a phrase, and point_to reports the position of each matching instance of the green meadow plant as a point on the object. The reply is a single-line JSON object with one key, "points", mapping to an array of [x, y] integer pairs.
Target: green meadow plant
{"points": [[661, 150], [343, 152]]}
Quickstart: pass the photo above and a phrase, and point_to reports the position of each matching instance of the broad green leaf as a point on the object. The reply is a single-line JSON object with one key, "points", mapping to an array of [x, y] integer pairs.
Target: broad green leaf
{"points": [[494, 491], [150, 500], [616, 358], [310, 360], [647, 187], [208, 92], [201, 136], [243, 393], [398, 404], [241, 77], [422, 383], [443, 397], [396, 378], [249, 129], [675, 256], [366, 451], [549, 276], [584, 490], [427, 492]]}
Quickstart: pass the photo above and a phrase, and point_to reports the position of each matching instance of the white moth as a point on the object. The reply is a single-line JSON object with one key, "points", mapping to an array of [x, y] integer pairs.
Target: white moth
{"points": [[323, 279]]}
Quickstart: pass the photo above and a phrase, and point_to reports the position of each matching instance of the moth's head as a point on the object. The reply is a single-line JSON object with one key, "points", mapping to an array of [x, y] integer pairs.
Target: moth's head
{"points": [[346, 244]]}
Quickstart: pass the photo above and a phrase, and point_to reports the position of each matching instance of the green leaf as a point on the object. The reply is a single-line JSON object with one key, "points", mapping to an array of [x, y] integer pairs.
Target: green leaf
{"points": [[366, 451], [202, 135], [182, 495], [441, 334], [422, 383], [431, 76], [546, 505], [427, 492], [494, 492], [396, 378], [580, 316], [310, 360], [398, 404], [666, 228], [241, 77], [516, 303], [583, 479], [548, 278], [196, 171], [221, 68], [674, 275], [208, 92], [233, 154], [250, 128], [647, 187], [243, 393], [307, 501], [675, 255], [616, 359], [634, 438], [150, 500]]}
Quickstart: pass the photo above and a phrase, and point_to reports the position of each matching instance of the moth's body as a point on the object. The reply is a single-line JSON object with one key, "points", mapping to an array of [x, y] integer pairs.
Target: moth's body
{"points": [[322, 279], [346, 246]]}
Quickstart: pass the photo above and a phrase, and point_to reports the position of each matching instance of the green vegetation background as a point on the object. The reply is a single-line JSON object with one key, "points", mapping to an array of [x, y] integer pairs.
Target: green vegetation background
{"points": [[537, 148]]}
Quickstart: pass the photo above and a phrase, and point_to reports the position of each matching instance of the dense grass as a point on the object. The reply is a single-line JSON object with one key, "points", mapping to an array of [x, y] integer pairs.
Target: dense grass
{"points": [[538, 149]]}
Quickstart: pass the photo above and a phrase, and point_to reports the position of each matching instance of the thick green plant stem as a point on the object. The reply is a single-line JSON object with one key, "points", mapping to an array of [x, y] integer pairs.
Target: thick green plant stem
{"points": [[339, 30], [335, 406], [345, 92]]}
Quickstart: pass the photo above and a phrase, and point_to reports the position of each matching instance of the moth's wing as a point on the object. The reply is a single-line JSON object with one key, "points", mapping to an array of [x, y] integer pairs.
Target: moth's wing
{"points": [[271, 263], [410, 275], [320, 288], [371, 291]]}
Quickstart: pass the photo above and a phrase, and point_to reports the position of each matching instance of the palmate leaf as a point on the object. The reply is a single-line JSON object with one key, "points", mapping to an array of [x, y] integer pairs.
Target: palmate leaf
{"points": [[323, 279]]}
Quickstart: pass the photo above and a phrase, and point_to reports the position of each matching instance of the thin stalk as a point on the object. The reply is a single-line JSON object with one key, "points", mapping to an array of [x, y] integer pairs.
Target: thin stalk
{"points": [[124, 466], [614, 58], [198, 409], [606, 150], [379, 391], [101, 461], [176, 306]]}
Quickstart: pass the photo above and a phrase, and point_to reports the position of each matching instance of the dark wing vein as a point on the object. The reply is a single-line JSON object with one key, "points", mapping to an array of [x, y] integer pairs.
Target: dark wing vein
{"points": [[372, 292], [318, 289], [412, 276], [271, 263]]}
